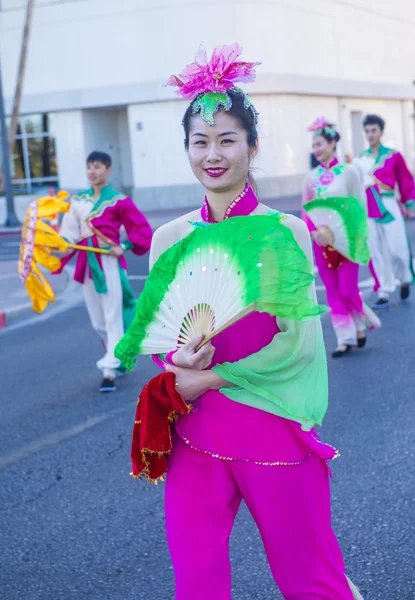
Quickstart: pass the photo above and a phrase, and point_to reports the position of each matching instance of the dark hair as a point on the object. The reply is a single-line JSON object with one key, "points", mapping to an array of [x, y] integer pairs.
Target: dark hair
{"points": [[98, 156], [245, 116], [374, 120], [328, 136]]}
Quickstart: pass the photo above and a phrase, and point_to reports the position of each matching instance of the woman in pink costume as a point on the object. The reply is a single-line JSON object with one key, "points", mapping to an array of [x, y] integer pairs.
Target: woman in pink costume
{"points": [[227, 449], [339, 275]]}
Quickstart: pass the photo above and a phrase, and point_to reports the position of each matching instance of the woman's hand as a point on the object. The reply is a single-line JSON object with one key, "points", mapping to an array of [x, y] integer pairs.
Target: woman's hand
{"points": [[192, 384], [324, 236], [188, 357], [116, 251]]}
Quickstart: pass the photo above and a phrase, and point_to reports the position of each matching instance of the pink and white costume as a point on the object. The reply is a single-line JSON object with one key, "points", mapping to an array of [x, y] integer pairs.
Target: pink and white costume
{"points": [[108, 295], [384, 176], [339, 275]]}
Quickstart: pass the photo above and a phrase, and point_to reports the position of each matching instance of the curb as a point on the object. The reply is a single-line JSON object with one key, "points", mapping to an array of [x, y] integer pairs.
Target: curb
{"points": [[13, 312], [4, 231], [20, 309]]}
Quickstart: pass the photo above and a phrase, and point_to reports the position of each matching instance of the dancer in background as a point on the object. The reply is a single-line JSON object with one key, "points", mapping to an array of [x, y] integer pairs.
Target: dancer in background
{"points": [[95, 219], [332, 180], [389, 187]]}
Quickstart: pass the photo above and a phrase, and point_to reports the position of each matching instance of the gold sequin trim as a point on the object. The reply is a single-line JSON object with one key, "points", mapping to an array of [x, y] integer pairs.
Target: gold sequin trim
{"points": [[256, 462], [331, 249], [336, 452]]}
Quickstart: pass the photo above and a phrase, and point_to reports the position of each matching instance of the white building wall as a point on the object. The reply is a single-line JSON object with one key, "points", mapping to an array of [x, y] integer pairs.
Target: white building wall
{"points": [[80, 132], [390, 111], [127, 178], [157, 149], [101, 133], [408, 133], [161, 172], [332, 57], [283, 131], [159, 159], [93, 43], [68, 129]]}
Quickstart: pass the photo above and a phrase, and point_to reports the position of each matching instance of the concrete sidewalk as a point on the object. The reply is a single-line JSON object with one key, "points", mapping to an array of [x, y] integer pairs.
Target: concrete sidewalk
{"points": [[14, 300]]}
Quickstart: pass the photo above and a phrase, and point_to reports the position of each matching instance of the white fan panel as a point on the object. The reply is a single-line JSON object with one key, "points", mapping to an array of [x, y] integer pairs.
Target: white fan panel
{"points": [[324, 216], [210, 277]]}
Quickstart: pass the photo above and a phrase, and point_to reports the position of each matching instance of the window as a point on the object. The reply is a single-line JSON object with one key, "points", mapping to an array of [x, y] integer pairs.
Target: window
{"points": [[34, 156]]}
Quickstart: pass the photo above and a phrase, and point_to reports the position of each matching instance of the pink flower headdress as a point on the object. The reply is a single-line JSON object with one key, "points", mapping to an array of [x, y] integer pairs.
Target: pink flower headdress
{"points": [[208, 82], [322, 125]]}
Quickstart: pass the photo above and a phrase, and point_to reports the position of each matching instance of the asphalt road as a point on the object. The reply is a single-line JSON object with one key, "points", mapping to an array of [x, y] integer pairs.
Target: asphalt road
{"points": [[74, 525]]}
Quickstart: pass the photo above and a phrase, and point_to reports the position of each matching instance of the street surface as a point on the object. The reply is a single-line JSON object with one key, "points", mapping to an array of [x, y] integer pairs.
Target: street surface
{"points": [[75, 526]]}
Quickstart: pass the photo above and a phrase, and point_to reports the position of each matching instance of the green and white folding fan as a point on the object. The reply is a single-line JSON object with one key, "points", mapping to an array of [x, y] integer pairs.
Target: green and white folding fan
{"points": [[215, 276], [347, 219]]}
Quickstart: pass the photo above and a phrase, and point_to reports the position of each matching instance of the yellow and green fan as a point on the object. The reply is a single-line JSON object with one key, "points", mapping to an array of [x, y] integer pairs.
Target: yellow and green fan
{"points": [[214, 277], [39, 242]]}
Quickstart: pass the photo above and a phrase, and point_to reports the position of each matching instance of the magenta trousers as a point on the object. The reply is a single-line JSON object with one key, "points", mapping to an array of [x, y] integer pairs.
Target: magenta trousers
{"points": [[290, 506], [341, 280]]}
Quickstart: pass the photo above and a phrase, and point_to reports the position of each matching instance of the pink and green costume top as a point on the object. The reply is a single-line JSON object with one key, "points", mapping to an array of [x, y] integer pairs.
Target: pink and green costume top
{"points": [[277, 365], [98, 224], [382, 176], [334, 196]]}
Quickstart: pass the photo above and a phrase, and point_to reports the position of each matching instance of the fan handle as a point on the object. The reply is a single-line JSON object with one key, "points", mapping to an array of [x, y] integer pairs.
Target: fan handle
{"points": [[240, 315], [88, 249], [85, 248]]}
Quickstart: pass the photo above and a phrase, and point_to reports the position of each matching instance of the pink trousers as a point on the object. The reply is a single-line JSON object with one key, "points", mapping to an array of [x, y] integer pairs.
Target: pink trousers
{"points": [[290, 505], [341, 280]]}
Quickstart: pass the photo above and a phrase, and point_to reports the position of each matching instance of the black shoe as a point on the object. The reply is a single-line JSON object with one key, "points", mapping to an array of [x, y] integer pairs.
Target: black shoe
{"points": [[361, 342], [381, 303], [405, 291], [107, 385], [340, 353]]}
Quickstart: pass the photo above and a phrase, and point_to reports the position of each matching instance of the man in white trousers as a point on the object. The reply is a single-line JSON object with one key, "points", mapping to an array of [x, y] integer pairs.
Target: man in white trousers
{"points": [[94, 219], [390, 191]]}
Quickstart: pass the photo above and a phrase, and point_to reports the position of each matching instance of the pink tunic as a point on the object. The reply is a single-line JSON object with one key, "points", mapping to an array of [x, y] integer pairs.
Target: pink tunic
{"points": [[229, 430], [382, 175], [101, 222], [123, 212]]}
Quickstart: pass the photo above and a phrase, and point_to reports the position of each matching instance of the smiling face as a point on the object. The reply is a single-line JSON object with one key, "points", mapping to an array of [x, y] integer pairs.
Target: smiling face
{"points": [[373, 134], [219, 154], [97, 173], [323, 150]]}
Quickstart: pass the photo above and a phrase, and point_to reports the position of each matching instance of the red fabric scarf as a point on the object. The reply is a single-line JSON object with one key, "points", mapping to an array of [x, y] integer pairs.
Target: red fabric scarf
{"points": [[334, 258], [159, 405]]}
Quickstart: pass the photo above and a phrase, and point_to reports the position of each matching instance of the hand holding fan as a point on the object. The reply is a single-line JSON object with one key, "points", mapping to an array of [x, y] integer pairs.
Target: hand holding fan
{"points": [[39, 240], [347, 220], [215, 276]]}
